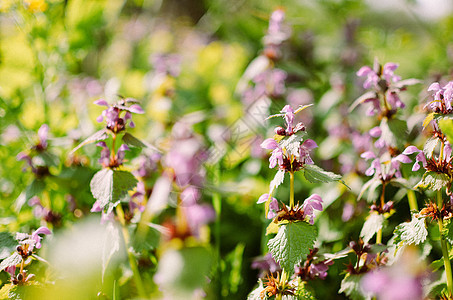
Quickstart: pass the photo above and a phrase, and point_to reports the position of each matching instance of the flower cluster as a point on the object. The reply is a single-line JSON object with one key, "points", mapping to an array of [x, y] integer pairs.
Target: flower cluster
{"points": [[443, 96], [113, 114], [112, 161], [289, 154], [25, 249]]}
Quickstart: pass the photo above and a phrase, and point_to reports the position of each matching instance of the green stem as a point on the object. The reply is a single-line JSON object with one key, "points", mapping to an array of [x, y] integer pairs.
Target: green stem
{"points": [[444, 246], [112, 153], [132, 262], [412, 200], [291, 192]]}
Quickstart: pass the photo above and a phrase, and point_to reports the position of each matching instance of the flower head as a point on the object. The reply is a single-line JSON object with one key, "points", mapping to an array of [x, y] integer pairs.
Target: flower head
{"points": [[113, 113], [312, 203]]}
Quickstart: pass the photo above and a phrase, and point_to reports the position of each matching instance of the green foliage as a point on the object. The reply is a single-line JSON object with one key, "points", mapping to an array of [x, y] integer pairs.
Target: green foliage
{"points": [[292, 243], [315, 174], [95, 137], [393, 131], [409, 233], [350, 285], [447, 232], [7, 244], [433, 181], [371, 226], [36, 187], [109, 186], [446, 125]]}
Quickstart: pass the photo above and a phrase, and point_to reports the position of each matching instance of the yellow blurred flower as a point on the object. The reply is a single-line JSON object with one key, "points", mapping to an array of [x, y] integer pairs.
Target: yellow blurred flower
{"points": [[35, 5], [5, 5]]}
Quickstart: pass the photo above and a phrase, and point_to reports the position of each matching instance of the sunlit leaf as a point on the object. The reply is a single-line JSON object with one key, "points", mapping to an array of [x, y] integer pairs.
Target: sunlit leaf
{"points": [[292, 243]]}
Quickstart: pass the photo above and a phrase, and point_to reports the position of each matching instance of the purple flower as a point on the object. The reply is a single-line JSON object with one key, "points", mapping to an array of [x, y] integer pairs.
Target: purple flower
{"points": [[277, 153], [112, 114], [391, 166], [277, 32], [266, 264], [273, 206], [310, 204], [320, 269], [289, 118], [198, 215], [443, 97], [38, 210], [33, 240], [304, 151], [121, 153], [11, 270], [419, 158], [43, 134], [104, 160], [372, 77], [166, 64]]}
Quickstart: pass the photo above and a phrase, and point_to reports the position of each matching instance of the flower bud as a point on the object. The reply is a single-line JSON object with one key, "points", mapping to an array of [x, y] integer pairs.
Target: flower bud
{"points": [[280, 131]]}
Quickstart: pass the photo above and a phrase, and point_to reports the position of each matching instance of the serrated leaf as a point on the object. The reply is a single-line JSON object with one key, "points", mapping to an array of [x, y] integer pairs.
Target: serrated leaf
{"points": [[7, 244], [292, 243], [371, 226], [350, 285], [413, 232], [446, 125], [393, 131], [315, 174], [361, 99], [97, 136], [34, 189], [108, 186], [11, 260], [292, 143], [433, 181], [429, 146]]}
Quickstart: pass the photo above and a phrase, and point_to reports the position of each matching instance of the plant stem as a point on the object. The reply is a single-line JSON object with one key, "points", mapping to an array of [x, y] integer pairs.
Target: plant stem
{"points": [[132, 262], [112, 152], [412, 200], [444, 246], [291, 192]]}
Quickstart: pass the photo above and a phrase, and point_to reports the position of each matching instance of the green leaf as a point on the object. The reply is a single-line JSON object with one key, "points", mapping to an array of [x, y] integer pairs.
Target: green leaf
{"points": [[446, 125], [393, 131], [429, 147], [447, 232], [361, 99], [6, 289], [108, 186], [7, 244], [433, 181], [315, 174], [12, 260], [97, 136], [428, 120], [371, 226], [110, 245], [350, 285], [48, 159], [34, 189], [292, 243], [132, 141], [413, 232], [372, 182]]}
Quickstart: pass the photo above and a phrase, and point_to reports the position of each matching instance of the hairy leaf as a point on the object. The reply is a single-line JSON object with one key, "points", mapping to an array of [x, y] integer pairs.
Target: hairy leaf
{"points": [[11, 260], [315, 174], [433, 181], [108, 186], [413, 232], [350, 285], [7, 244], [429, 147], [292, 243], [292, 143], [97, 136], [393, 131], [371, 227]]}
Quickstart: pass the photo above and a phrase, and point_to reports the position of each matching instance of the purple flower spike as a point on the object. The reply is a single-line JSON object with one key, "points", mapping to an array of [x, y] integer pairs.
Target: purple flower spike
{"points": [[289, 118]]}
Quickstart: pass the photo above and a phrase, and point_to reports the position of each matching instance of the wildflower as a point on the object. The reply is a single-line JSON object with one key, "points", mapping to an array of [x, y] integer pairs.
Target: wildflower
{"points": [[443, 96], [374, 75], [34, 240], [314, 202], [385, 167], [273, 206], [112, 114], [420, 158]]}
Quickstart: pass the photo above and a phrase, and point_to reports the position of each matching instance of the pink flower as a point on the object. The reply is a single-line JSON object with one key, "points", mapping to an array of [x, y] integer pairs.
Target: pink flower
{"points": [[314, 202], [273, 206], [419, 158]]}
